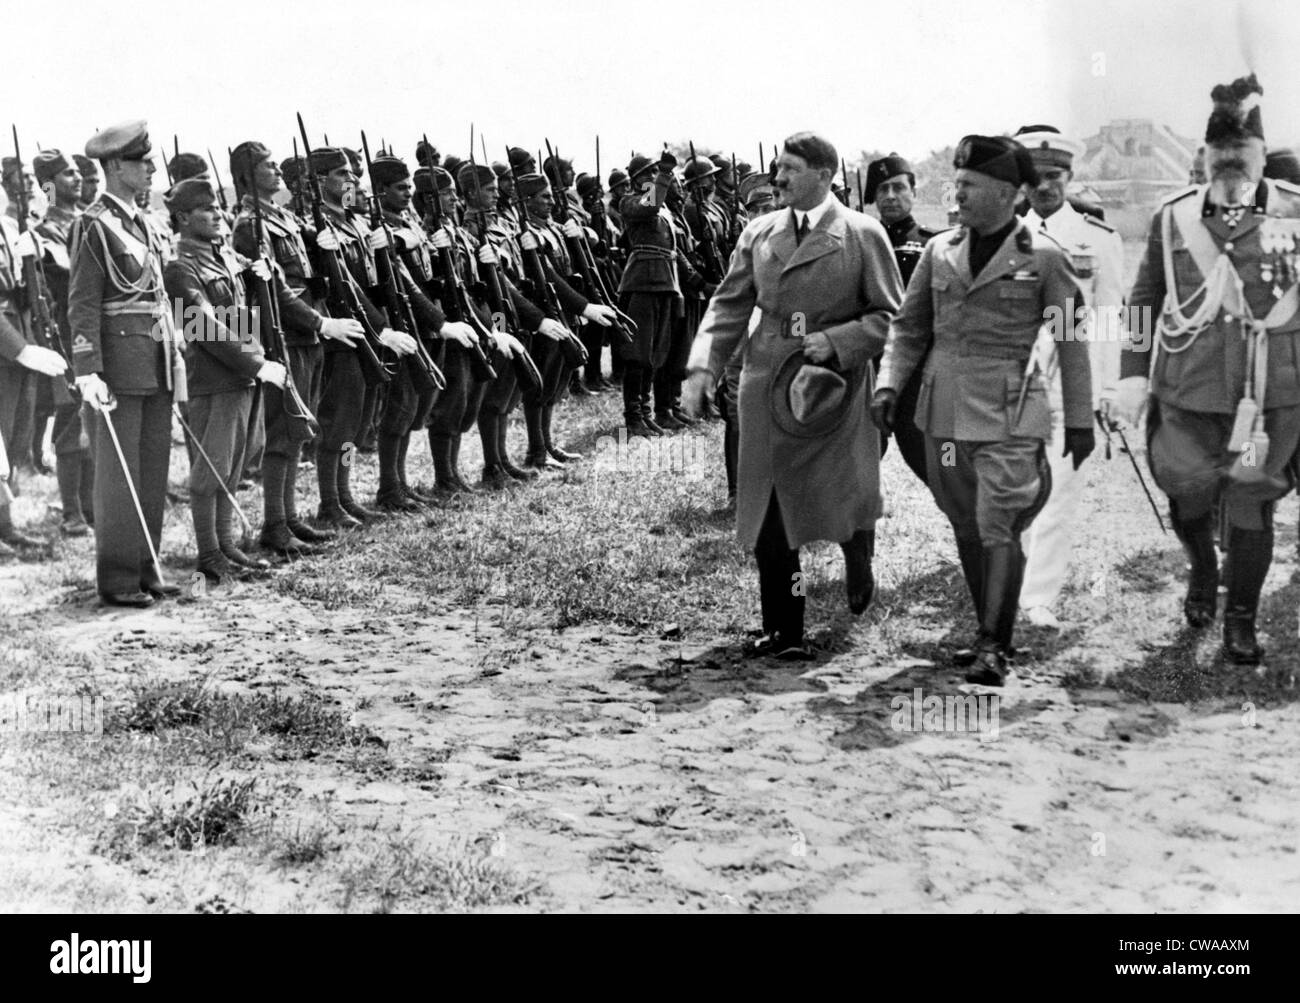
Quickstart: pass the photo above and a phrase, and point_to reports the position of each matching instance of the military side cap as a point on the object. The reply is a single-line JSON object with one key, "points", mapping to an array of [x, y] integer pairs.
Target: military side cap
{"points": [[520, 159], [438, 176], [999, 157], [529, 185], [617, 177], [638, 165], [500, 169], [473, 174], [1282, 165], [124, 141], [184, 166], [9, 167], [86, 166], [554, 168], [422, 181], [47, 163], [328, 158], [880, 171], [244, 159], [388, 170], [1048, 147], [699, 168], [1236, 112], [192, 193], [291, 168], [587, 186]]}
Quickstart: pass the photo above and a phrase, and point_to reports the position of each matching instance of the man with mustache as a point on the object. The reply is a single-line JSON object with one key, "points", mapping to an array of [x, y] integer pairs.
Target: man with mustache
{"points": [[1223, 391]]}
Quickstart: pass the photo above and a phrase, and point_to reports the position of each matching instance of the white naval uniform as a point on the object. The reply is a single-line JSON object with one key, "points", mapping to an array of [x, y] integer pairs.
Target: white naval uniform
{"points": [[1097, 249]]}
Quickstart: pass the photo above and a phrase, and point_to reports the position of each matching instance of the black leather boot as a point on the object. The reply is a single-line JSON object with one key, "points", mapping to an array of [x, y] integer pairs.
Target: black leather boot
{"points": [[1003, 573], [1197, 537], [859, 582], [1250, 552], [971, 553], [503, 454]]}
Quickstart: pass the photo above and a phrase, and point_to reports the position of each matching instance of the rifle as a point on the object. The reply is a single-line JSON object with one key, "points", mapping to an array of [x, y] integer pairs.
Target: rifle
{"points": [[844, 172], [580, 251], [457, 306], [44, 324], [713, 270], [526, 372], [400, 314], [735, 203], [299, 205], [339, 284], [216, 176], [575, 352]]}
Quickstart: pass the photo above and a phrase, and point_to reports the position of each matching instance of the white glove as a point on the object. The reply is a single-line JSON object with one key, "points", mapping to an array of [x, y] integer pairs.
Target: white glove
{"points": [[459, 332], [553, 329], [528, 240], [95, 392], [602, 315], [342, 329], [42, 360], [402, 344], [514, 344], [261, 269], [1131, 395], [571, 228], [273, 373], [505, 344], [378, 239], [25, 245], [440, 238], [327, 240], [487, 254]]}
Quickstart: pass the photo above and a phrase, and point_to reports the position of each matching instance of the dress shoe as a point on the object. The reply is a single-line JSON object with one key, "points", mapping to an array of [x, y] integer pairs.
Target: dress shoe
{"points": [[306, 534], [161, 590], [516, 473], [666, 421], [278, 539], [774, 645], [242, 560], [685, 418], [131, 600], [652, 425], [396, 501], [637, 427], [990, 667], [21, 541], [216, 568], [556, 453], [541, 461], [74, 527], [605, 385], [859, 582]]}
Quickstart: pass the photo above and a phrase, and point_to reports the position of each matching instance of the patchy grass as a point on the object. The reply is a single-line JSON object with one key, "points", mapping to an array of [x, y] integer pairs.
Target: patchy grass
{"points": [[216, 812]]}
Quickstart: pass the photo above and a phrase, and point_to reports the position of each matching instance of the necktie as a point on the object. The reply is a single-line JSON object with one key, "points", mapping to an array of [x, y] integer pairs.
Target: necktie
{"points": [[802, 230]]}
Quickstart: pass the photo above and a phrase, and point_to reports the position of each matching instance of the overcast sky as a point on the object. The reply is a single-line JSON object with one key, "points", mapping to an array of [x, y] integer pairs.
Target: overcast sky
{"points": [[869, 74]]}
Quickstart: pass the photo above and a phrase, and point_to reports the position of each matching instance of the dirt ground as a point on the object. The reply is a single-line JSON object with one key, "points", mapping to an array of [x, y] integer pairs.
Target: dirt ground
{"points": [[530, 751]]}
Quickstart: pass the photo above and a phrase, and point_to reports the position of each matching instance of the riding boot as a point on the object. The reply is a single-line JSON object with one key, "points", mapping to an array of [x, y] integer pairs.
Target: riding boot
{"points": [[1197, 537], [1250, 552]]}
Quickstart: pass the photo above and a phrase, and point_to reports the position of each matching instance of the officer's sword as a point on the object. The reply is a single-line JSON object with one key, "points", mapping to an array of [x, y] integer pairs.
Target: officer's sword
{"points": [[248, 527], [135, 498], [1105, 430]]}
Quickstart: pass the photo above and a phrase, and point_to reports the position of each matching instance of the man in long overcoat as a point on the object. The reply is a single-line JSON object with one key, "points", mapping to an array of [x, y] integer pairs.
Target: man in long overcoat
{"points": [[827, 285]]}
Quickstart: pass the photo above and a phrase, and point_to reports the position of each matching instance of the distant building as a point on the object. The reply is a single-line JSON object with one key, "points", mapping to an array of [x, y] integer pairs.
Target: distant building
{"points": [[1133, 163]]}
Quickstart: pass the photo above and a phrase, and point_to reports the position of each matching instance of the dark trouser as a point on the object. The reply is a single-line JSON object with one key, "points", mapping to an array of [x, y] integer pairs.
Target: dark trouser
{"points": [[256, 438], [778, 565], [72, 461], [729, 401], [220, 425], [456, 408], [340, 413], [910, 439], [672, 372], [1187, 451], [990, 491], [653, 314], [143, 425], [286, 433], [593, 340]]}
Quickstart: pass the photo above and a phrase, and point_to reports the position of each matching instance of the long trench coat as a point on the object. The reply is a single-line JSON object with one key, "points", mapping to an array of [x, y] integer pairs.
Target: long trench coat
{"points": [[841, 280]]}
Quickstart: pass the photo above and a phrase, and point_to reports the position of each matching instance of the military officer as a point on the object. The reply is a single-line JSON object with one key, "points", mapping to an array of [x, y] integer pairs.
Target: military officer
{"points": [[127, 363], [61, 180], [1220, 271], [1098, 256], [979, 295], [891, 187]]}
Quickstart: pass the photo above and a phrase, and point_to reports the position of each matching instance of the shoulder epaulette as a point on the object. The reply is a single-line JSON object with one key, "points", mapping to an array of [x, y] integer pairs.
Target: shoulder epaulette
{"points": [[1287, 186], [94, 210], [1182, 193], [1099, 224], [926, 233], [1042, 237]]}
